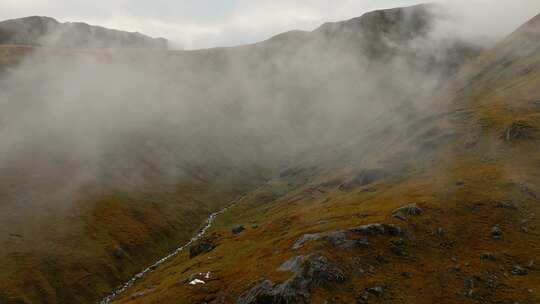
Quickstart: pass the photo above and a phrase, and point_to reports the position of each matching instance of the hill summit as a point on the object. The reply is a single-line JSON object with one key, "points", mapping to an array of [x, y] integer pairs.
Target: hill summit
{"points": [[48, 32]]}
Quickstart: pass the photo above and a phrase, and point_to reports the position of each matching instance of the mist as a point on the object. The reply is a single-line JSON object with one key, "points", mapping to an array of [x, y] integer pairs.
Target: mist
{"points": [[119, 119]]}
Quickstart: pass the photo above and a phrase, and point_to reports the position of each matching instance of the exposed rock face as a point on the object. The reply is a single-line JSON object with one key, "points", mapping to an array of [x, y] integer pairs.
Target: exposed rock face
{"points": [[46, 31], [308, 273]]}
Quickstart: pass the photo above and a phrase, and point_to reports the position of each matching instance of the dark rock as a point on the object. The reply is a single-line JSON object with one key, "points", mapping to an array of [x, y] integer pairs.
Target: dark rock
{"points": [[363, 214], [393, 230], [363, 299], [306, 238], [261, 293], [238, 229], [369, 229], [496, 233], [440, 232], [377, 229], [519, 130], [363, 242], [119, 253], [518, 270], [468, 287], [363, 178], [398, 247], [490, 283], [201, 247], [506, 205], [407, 275], [487, 256], [407, 211]]}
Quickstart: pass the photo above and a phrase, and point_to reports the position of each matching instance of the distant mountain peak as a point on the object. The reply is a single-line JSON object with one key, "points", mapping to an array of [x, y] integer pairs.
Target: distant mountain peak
{"points": [[47, 31], [401, 22]]}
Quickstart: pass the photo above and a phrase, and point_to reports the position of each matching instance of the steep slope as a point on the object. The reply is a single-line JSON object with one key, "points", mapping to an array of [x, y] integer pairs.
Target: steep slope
{"points": [[442, 209], [48, 32], [146, 174]]}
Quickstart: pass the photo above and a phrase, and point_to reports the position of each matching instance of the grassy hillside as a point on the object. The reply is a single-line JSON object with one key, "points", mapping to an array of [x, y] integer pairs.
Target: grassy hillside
{"points": [[465, 174], [138, 147]]}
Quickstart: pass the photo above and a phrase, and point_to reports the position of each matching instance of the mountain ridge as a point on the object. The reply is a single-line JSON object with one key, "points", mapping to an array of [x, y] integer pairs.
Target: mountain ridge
{"points": [[47, 31]]}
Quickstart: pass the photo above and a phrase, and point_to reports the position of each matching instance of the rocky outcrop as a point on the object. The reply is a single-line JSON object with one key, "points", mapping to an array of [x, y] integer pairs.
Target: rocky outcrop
{"points": [[378, 229], [48, 32], [311, 272], [403, 213], [201, 247]]}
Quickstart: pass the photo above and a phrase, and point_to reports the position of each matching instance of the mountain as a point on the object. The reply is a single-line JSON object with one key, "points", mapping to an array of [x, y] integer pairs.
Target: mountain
{"points": [[369, 160], [441, 209], [48, 32]]}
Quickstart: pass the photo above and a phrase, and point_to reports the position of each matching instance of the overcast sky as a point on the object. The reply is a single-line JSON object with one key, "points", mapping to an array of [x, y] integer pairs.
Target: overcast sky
{"points": [[193, 24]]}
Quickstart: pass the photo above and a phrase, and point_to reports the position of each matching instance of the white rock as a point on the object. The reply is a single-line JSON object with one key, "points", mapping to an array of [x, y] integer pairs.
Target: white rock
{"points": [[196, 281]]}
